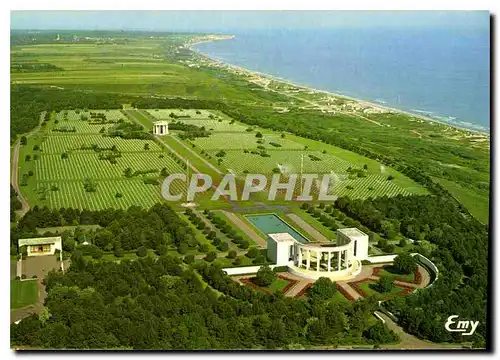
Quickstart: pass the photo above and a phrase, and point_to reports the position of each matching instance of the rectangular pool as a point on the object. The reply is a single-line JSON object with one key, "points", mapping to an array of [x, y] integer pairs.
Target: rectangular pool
{"points": [[272, 223]]}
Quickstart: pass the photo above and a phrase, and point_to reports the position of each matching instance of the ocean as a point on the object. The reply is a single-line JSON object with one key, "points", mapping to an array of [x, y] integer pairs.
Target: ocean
{"points": [[442, 73]]}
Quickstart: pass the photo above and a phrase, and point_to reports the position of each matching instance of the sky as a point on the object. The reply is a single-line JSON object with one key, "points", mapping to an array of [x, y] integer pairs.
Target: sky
{"points": [[227, 20]]}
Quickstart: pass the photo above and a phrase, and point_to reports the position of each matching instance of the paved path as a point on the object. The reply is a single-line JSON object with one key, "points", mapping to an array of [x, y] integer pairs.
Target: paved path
{"points": [[298, 286], [245, 228], [308, 228], [348, 289], [14, 180], [132, 117], [409, 341]]}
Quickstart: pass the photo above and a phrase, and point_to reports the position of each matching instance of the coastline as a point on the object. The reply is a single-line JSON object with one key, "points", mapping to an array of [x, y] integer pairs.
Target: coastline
{"points": [[326, 92]]}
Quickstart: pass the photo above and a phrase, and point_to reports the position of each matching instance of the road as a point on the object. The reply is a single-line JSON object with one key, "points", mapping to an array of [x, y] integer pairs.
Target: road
{"points": [[14, 180], [410, 342]]}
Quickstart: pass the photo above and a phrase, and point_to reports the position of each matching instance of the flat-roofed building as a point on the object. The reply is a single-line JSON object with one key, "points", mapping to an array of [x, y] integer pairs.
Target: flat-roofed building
{"points": [[41, 246]]}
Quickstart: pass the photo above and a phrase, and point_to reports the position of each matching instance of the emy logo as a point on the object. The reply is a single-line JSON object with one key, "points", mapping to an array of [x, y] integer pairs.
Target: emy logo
{"points": [[461, 325]]}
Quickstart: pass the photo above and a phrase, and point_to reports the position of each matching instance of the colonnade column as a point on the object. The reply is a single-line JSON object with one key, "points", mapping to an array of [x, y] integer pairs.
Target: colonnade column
{"points": [[339, 256], [299, 260], [319, 254], [308, 260], [329, 259]]}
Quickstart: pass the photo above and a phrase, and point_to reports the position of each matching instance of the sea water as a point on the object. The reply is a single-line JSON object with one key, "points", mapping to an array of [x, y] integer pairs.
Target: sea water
{"points": [[442, 73]]}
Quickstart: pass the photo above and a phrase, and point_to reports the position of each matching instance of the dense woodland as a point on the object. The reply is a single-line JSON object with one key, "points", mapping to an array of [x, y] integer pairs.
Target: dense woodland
{"points": [[460, 251], [163, 304], [27, 103], [120, 230], [142, 304]]}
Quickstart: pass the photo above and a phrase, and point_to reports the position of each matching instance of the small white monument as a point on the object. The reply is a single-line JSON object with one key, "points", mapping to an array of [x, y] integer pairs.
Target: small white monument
{"points": [[160, 128]]}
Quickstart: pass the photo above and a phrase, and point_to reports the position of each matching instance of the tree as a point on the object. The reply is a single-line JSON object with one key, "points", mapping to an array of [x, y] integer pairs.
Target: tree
{"points": [[252, 252], [405, 263], [162, 250], [380, 334], [64, 155], [146, 146], [189, 259], [224, 246], [204, 248], [183, 248], [211, 256], [323, 289], [141, 251], [258, 134], [259, 259], [232, 254], [118, 252], [27, 158], [23, 140], [403, 243], [265, 276], [384, 284]]}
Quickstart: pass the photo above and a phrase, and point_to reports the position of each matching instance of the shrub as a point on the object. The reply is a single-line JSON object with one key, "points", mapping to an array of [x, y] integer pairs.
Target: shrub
{"points": [[252, 252], [189, 259], [23, 276], [183, 248], [118, 252], [211, 256], [323, 289], [259, 259], [384, 284], [265, 276], [244, 244], [403, 242], [204, 248], [34, 277], [224, 246], [232, 254], [216, 241], [237, 261], [405, 263], [97, 254], [389, 248], [141, 251], [27, 158]]}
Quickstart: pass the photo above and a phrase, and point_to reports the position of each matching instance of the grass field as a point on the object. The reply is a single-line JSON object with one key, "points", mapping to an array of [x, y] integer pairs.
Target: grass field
{"points": [[387, 271], [58, 182], [23, 293], [141, 67]]}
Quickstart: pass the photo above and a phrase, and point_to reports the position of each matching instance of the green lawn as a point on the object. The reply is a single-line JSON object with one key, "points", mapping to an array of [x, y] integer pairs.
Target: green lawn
{"points": [[315, 223], [237, 229], [23, 293], [476, 203], [389, 272], [367, 288], [278, 285]]}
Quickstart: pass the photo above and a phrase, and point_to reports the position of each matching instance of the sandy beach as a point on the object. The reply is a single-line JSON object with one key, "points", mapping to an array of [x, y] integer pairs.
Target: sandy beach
{"points": [[306, 88]]}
